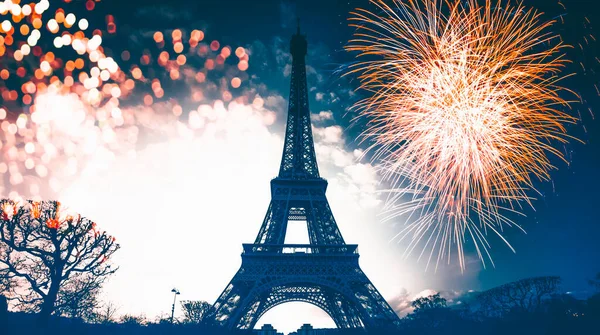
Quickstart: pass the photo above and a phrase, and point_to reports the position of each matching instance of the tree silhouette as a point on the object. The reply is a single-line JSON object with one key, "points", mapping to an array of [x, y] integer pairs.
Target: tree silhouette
{"points": [[430, 302], [133, 320], [106, 313], [52, 261], [195, 311], [431, 312], [79, 299], [526, 295], [164, 319]]}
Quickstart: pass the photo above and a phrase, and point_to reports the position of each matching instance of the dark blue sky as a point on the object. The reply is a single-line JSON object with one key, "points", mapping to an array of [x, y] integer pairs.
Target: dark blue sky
{"points": [[562, 235]]}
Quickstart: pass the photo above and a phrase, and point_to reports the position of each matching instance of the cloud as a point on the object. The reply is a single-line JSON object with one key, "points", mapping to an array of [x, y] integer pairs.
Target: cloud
{"points": [[359, 180], [331, 134], [332, 154], [283, 57], [362, 174], [401, 304], [260, 55], [424, 294], [278, 104], [287, 70], [322, 116]]}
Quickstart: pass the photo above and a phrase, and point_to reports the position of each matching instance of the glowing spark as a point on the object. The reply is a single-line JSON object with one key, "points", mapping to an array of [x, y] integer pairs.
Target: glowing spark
{"points": [[465, 103]]}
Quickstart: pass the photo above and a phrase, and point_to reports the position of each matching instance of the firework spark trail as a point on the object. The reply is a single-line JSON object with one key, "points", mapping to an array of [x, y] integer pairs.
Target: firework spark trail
{"points": [[465, 104], [66, 105]]}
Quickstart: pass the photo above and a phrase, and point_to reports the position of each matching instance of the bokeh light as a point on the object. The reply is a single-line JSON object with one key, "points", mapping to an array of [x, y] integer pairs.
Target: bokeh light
{"points": [[69, 106]]}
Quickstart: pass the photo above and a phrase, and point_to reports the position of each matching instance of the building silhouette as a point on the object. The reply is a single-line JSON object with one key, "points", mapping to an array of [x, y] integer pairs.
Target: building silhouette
{"points": [[324, 272], [308, 329], [266, 329]]}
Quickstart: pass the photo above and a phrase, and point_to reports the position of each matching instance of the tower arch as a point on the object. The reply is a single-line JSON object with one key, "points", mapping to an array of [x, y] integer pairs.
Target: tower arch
{"points": [[336, 301]]}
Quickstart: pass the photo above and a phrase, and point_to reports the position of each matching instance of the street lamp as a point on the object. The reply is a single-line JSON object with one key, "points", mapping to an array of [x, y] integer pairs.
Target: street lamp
{"points": [[176, 293]]}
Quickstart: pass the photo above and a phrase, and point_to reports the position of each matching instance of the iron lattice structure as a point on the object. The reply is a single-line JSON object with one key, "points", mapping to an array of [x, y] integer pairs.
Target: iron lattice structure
{"points": [[325, 272]]}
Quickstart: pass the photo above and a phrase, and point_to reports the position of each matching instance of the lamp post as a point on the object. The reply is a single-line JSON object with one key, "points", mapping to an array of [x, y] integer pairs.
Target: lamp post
{"points": [[175, 294]]}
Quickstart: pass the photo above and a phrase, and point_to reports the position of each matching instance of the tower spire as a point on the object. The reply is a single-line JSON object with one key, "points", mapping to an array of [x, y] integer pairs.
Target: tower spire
{"points": [[298, 20], [298, 160]]}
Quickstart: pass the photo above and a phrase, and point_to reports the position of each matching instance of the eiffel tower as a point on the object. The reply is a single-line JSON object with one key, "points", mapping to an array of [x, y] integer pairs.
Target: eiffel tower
{"points": [[325, 272]]}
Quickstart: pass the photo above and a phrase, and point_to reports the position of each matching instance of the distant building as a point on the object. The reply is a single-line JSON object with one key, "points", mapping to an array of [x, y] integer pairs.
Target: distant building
{"points": [[266, 330], [308, 329]]}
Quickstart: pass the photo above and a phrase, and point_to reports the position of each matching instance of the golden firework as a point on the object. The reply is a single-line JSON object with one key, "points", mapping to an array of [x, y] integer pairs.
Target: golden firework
{"points": [[464, 107]]}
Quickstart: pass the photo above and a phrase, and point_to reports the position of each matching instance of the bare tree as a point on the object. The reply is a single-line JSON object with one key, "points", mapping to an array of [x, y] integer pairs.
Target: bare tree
{"points": [[129, 319], [164, 319], [195, 311], [106, 313], [525, 295], [52, 261], [79, 299]]}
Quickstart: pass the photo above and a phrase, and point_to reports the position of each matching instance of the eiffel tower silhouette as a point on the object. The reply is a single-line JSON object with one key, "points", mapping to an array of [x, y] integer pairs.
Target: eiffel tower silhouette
{"points": [[325, 272]]}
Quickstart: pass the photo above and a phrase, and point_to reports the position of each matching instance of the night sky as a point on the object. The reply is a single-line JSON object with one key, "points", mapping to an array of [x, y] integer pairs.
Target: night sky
{"points": [[562, 235], [563, 231]]}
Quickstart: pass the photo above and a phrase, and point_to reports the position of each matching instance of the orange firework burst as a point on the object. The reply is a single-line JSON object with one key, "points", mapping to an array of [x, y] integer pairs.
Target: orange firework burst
{"points": [[464, 106]]}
